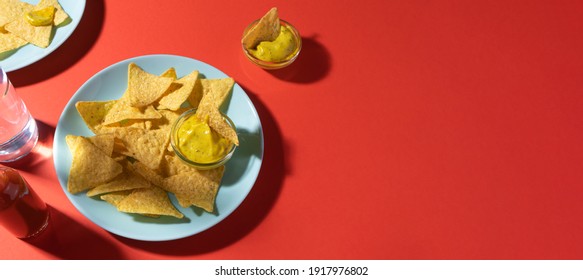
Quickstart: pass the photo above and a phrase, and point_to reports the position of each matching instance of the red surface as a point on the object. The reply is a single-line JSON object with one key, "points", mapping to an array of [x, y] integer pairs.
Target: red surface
{"points": [[405, 129]]}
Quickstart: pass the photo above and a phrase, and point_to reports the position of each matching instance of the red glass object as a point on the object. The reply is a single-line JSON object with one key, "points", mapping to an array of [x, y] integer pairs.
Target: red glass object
{"points": [[22, 211]]}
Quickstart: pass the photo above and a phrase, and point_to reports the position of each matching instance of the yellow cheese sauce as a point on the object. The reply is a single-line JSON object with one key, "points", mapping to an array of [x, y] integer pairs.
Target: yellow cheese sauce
{"points": [[280, 49], [41, 17], [199, 143]]}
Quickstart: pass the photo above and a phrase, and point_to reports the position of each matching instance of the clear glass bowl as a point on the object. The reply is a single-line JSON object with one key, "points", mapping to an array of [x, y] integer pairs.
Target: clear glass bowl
{"points": [[184, 158], [278, 64]]}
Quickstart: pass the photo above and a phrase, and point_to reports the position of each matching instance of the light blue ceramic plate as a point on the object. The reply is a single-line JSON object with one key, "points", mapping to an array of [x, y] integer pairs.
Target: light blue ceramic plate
{"points": [[240, 173], [30, 53]]}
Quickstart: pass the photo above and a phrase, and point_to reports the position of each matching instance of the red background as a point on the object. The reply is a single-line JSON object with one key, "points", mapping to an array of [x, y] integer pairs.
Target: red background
{"points": [[405, 129]]}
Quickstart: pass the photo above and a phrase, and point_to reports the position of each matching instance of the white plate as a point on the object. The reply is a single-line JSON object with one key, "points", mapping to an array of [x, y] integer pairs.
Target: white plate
{"points": [[30, 53], [240, 173]]}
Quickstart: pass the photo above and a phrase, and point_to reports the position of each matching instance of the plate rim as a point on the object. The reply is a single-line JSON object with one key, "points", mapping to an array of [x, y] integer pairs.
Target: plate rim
{"points": [[52, 47], [97, 75]]}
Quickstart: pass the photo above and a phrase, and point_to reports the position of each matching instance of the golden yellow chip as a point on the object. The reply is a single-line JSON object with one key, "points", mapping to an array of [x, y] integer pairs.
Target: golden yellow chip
{"points": [[9, 42], [93, 113], [90, 167], [123, 182], [217, 89], [196, 188], [208, 109], [115, 197], [178, 96], [266, 30], [146, 146], [39, 36], [102, 141], [149, 201], [149, 174], [121, 111], [10, 10], [170, 73], [144, 88]]}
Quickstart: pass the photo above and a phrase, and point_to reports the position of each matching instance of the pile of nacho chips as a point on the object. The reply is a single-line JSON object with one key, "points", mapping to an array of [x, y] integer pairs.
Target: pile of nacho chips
{"points": [[15, 29], [129, 162]]}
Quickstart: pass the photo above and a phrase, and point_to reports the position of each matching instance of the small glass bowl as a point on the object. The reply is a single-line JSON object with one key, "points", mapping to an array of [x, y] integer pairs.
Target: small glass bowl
{"points": [[198, 165], [270, 65]]}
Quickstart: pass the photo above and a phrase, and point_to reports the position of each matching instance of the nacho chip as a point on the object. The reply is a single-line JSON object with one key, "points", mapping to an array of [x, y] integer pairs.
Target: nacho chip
{"points": [[90, 167], [146, 146], [218, 89], [178, 96], [266, 30], [121, 111], [102, 141], [10, 10], [149, 174], [170, 73], [123, 182], [196, 187], [9, 42], [93, 113], [39, 36], [208, 109], [218, 123], [144, 88], [115, 197], [149, 201]]}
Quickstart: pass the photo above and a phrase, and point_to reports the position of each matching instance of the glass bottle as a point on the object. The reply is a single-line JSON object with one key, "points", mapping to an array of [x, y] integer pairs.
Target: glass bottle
{"points": [[22, 211]]}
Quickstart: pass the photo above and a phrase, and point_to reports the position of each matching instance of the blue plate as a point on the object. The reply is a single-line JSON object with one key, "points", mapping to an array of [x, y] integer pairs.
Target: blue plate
{"points": [[30, 53], [240, 172]]}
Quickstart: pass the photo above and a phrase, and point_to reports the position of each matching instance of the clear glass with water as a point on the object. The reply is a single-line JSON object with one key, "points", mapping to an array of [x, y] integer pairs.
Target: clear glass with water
{"points": [[18, 129]]}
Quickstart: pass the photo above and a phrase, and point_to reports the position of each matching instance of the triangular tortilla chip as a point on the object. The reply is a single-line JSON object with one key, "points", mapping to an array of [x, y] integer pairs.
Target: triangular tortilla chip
{"points": [[90, 167], [267, 29], [121, 111], [9, 41], [149, 201], [123, 182], [115, 197], [102, 141], [144, 88], [93, 113], [176, 98], [39, 36], [218, 89], [198, 188], [146, 146], [10, 10]]}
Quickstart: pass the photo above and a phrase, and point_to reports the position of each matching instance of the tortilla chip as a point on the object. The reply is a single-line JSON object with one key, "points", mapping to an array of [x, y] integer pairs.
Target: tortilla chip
{"points": [[93, 113], [102, 141], [9, 42], [178, 96], [146, 146], [208, 109], [121, 111], [149, 201], [149, 174], [90, 167], [115, 197], [218, 89], [10, 10], [196, 188], [123, 182], [170, 73], [144, 88], [267, 29]]}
